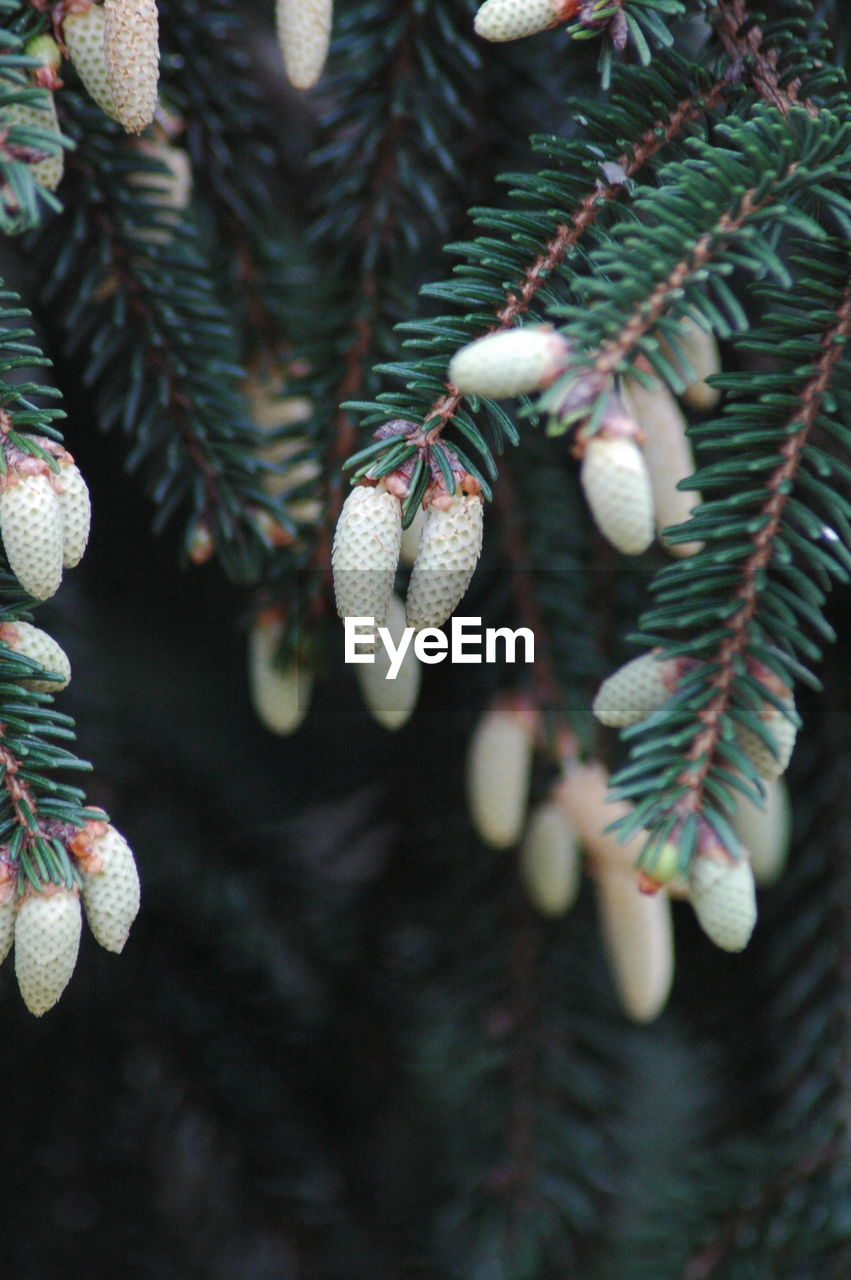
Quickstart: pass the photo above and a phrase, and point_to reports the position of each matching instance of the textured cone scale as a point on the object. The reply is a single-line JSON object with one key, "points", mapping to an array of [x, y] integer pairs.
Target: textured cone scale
{"points": [[445, 562], [768, 763], [638, 938], [509, 363], [499, 767], [617, 488], [31, 529], [765, 831], [111, 896], [280, 696], [724, 901], [85, 39], [391, 702], [8, 915], [76, 507], [635, 690], [47, 939], [500, 20], [47, 172], [668, 455], [366, 552], [43, 649], [304, 33], [131, 39], [549, 860]]}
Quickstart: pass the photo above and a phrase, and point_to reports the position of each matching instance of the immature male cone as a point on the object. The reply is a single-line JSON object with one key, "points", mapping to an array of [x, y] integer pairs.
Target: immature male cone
{"points": [[304, 34], [31, 529], [131, 38], [635, 690], [499, 769], [280, 693], [446, 559], [32, 642], [617, 487], [638, 938], [47, 939], [8, 916], [500, 20], [111, 893], [391, 702], [783, 732], [723, 896], [765, 830], [365, 553], [700, 348], [549, 860], [668, 455], [75, 505], [509, 363], [84, 33]]}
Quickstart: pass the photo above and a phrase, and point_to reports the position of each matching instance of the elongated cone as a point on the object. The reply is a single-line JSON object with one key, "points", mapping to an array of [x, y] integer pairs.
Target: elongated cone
{"points": [[366, 552], [500, 20], [668, 455], [391, 702], [765, 831], [617, 487], [700, 348], [304, 34], [31, 529], [723, 896], [499, 770], [43, 649], [76, 507], [280, 695], [446, 559], [510, 363], [8, 916], [549, 860], [111, 894], [638, 938], [84, 33], [770, 764], [27, 115], [635, 690], [169, 189], [47, 939], [131, 41]]}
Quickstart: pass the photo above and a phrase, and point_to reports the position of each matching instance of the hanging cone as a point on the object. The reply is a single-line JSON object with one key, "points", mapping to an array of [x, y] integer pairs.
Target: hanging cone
{"points": [[499, 769], [47, 939], [549, 860], [33, 643], [8, 916], [638, 939], [391, 702], [366, 552], [27, 115], [446, 560], [84, 33], [304, 34], [617, 487], [500, 20], [411, 537], [280, 695], [723, 896], [510, 363], [131, 42], [770, 764], [111, 893], [668, 455], [31, 529], [765, 831], [76, 507], [636, 689], [700, 348]]}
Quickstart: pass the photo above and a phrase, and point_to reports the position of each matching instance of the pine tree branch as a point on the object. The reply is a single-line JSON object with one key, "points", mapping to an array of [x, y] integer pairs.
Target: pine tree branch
{"points": [[779, 483]]}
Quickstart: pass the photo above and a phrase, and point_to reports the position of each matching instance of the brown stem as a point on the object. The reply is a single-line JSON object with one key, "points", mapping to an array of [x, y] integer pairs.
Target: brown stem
{"points": [[761, 65], [567, 234], [779, 485]]}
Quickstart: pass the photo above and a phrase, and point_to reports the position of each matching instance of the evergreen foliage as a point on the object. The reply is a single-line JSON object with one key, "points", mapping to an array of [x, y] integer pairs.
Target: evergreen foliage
{"points": [[342, 1041]]}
